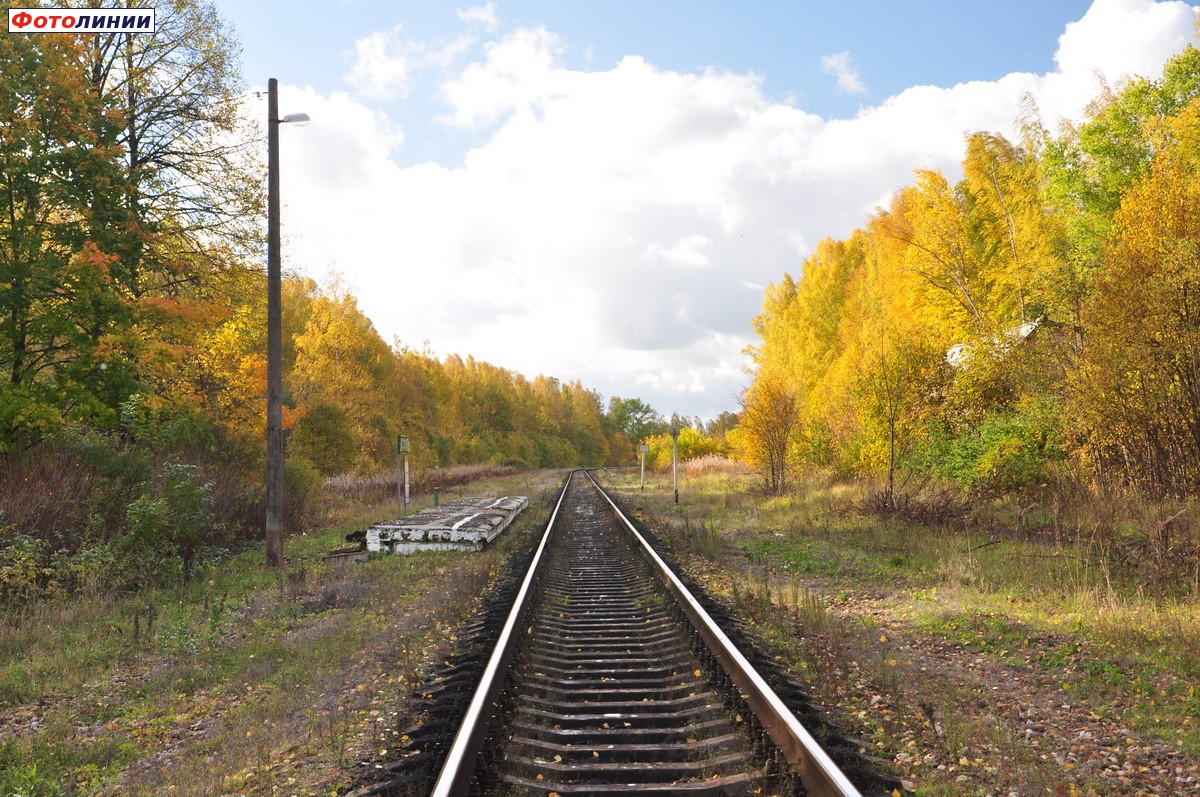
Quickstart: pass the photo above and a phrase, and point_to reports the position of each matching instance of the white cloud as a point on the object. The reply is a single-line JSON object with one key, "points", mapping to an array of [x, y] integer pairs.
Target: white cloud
{"points": [[484, 15], [689, 252], [383, 65], [611, 225], [1118, 38], [838, 65], [1127, 36], [518, 73], [386, 63]]}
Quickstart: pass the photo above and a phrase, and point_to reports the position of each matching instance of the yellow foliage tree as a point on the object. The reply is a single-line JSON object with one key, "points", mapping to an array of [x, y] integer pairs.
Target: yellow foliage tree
{"points": [[1137, 392]]}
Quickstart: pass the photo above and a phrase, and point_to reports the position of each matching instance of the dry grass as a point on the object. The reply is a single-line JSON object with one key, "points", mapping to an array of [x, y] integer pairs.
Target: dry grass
{"points": [[712, 463], [382, 486], [239, 683], [1083, 602]]}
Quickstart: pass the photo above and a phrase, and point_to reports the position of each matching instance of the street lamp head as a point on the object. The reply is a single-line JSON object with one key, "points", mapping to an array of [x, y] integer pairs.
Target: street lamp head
{"points": [[299, 119]]}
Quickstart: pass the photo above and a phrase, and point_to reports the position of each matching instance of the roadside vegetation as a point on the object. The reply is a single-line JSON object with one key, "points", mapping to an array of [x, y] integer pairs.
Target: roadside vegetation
{"points": [[241, 680], [133, 332], [972, 519], [1021, 342], [985, 655]]}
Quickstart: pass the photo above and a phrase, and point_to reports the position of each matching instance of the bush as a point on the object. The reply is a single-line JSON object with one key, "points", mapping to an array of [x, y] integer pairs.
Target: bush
{"points": [[1008, 452], [168, 528], [90, 511], [90, 570], [165, 531], [23, 571], [145, 555], [302, 484], [324, 438]]}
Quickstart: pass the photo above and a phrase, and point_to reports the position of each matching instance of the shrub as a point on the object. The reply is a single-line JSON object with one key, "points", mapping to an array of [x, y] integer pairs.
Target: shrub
{"points": [[145, 555], [1008, 452], [167, 529], [324, 437], [90, 570], [124, 510], [302, 484], [23, 571]]}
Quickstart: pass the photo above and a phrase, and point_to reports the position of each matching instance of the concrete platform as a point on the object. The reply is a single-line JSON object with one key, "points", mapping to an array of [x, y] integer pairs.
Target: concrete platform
{"points": [[466, 524]]}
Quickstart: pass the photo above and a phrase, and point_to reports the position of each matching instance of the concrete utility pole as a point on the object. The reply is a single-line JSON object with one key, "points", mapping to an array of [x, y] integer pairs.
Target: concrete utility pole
{"points": [[275, 450], [274, 536]]}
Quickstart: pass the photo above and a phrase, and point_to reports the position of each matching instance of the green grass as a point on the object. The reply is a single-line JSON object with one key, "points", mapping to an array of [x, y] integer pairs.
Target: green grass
{"points": [[1069, 610], [56, 760], [248, 676], [61, 644]]}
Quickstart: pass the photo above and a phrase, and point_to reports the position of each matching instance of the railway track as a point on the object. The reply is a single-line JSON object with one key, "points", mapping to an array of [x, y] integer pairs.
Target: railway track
{"points": [[609, 678]]}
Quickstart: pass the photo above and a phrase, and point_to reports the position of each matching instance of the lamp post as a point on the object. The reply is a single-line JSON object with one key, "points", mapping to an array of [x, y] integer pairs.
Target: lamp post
{"points": [[275, 453]]}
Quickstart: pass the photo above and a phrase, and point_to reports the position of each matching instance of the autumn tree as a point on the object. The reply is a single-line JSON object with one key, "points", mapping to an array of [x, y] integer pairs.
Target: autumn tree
{"points": [[341, 362], [1138, 390], [58, 311], [178, 209], [886, 382], [633, 417], [862, 340], [1021, 245], [187, 157], [692, 443], [1092, 166], [768, 417], [130, 202]]}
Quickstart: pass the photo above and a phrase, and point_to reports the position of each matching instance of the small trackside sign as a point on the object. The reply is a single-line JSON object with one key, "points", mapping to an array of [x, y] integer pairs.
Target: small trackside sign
{"points": [[81, 20]]}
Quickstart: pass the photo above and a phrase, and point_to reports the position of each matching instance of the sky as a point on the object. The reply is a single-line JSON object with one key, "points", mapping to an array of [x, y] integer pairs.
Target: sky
{"points": [[601, 190]]}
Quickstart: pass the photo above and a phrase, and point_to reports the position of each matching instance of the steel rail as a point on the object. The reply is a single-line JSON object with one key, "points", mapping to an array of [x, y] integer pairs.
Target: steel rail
{"points": [[819, 774], [454, 779]]}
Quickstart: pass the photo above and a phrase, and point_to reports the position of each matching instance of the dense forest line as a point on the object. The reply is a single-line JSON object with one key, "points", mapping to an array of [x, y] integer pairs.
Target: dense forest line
{"points": [[132, 329], [1034, 326]]}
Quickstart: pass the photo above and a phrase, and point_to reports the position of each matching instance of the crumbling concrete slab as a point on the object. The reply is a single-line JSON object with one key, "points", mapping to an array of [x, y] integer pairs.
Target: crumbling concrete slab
{"points": [[466, 524]]}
